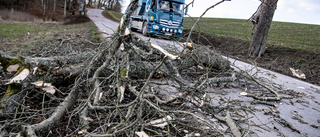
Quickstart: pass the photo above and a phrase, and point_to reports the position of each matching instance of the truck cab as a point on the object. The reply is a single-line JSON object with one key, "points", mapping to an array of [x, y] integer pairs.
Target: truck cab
{"points": [[159, 17]]}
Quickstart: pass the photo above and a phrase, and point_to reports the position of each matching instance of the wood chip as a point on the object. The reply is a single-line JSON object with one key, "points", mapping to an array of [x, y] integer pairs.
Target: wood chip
{"points": [[122, 89], [243, 93], [141, 134], [47, 87], [161, 123], [298, 73], [122, 47], [20, 77], [164, 51], [13, 68]]}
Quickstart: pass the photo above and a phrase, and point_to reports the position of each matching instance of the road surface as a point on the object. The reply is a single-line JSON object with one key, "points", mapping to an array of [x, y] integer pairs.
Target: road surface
{"points": [[306, 108]]}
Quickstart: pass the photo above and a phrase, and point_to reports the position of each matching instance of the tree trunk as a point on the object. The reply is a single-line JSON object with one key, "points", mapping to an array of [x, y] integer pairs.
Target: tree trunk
{"points": [[41, 2], [81, 7], [99, 4], [74, 7], [65, 8], [261, 24], [111, 4], [90, 3], [54, 5], [69, 6]]}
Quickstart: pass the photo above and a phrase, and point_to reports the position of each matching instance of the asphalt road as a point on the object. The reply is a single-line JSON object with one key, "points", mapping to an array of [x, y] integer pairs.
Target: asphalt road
{"points": [[308, 110]]}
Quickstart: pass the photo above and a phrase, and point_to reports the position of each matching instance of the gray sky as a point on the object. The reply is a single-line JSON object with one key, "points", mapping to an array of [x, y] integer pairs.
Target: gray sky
{"points": [[299, 11]]}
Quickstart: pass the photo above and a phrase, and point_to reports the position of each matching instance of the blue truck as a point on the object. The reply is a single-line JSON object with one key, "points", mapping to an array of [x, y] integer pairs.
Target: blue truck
{"points": [[159, 17]]}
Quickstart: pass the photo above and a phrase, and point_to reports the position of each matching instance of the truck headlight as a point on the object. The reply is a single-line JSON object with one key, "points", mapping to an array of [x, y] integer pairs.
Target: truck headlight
{"points": [[175, 31], [163, 29], [180, 30], [171, 30], [155, 27], [167, 29]]}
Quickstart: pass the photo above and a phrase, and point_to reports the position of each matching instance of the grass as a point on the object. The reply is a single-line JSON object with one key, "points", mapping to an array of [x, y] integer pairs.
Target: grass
{"points": [[95, 34], [23, 36], [17, 30], [117, 15], [292, 35], [304, 37]]}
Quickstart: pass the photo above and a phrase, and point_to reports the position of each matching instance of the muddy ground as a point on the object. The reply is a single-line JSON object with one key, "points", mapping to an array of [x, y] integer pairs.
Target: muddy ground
{"points": [[276, 58]]}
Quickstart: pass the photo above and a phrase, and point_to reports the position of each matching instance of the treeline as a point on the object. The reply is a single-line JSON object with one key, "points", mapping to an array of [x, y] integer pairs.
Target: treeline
{"points": [[114, 5], [58, 9]]}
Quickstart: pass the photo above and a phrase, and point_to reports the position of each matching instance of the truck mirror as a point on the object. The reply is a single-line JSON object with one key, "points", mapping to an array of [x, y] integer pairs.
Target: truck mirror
{"points": [[186, 11]]}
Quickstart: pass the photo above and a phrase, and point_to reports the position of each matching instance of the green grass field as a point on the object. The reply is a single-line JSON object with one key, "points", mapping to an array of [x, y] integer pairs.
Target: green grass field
{"points": [[304, 37], [117, 14], [292, 35], [16, 30]]}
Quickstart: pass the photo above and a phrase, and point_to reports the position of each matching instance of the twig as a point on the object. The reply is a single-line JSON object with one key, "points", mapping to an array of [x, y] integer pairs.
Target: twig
{"points": [[235, 131], [188, 39], [114, 133]]}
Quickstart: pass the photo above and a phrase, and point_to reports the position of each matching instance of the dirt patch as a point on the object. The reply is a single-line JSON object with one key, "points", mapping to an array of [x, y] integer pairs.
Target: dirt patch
{"points": [[76, 20], [276, 58], [13, 15]]}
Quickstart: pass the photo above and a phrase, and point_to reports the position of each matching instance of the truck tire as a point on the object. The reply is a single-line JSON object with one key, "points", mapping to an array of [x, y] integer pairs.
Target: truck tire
{"points": [[144, 29], [131, 28]]}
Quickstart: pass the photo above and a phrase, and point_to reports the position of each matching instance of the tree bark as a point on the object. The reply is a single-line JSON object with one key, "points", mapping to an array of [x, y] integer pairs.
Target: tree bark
{"points": [[65, 8], [261, 24], [54, 5], [74, 3], [90, 3], [81, 7]]}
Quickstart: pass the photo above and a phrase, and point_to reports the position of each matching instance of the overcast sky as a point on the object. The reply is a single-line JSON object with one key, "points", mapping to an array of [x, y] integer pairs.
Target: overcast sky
{"points": [[299, 11]]}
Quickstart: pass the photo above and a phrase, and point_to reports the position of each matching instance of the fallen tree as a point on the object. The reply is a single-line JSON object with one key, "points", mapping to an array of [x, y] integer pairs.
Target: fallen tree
{"points": [[129, 87], [118, 69], [111, 72]]}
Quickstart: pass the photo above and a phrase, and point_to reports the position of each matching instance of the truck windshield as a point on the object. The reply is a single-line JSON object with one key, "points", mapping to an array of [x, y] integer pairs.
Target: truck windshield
{"points": [[167, 5]]}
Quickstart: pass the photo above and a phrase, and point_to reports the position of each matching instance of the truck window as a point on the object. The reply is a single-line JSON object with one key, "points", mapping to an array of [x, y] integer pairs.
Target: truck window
{"points": [[143, 7], [164, 5], [153, 5], [177, 7], [171, 6]]}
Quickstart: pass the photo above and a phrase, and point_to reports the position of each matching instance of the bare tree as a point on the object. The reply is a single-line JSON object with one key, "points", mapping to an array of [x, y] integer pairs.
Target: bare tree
{"points": [[82, 7], [117, 6], [54, 5], [65, 8], [261, 21], [74, 6], [89, 3]]}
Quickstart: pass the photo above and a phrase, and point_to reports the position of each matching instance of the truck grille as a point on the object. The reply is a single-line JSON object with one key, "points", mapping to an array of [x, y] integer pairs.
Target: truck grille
{"points": [[166, 23]]}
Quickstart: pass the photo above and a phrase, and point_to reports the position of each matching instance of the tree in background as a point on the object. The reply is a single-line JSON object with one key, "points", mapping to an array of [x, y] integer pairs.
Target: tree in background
{"points": [[117, 6], [261, 21], [82, 7]]}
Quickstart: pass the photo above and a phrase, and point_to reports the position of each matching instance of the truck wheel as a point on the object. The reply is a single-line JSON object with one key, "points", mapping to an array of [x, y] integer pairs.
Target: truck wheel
{"points": [[144, 29], [131, 28]]}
